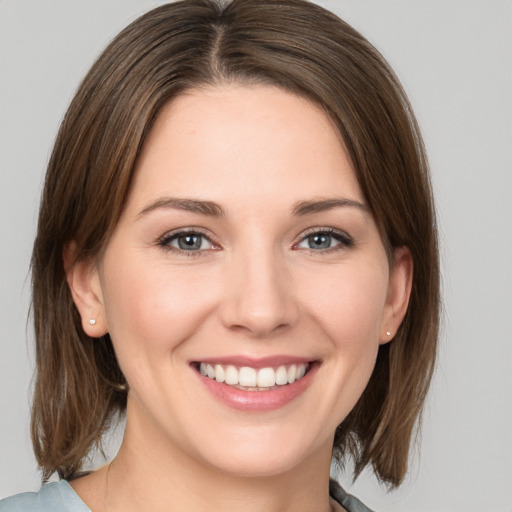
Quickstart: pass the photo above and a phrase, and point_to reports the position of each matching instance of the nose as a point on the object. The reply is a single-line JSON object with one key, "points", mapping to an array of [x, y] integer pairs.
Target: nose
{"points": [[258, 298]]}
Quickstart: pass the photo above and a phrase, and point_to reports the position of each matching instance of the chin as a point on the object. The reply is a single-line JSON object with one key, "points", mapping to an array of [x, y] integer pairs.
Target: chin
{"points": [[263, 465], [266, 453]]}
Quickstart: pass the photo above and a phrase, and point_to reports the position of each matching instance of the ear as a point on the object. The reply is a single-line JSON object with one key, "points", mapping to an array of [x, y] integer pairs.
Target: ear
{"points": [[399, 292], [85, 286]]}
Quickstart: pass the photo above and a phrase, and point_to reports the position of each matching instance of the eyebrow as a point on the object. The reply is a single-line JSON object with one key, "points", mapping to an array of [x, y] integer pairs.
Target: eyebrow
{"points": [[212, 209], [200, 206], [309, 207]]}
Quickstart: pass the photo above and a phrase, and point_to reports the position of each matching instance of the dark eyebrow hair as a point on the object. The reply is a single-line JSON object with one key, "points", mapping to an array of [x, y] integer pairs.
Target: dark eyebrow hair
{"points": [[190, 205], [308, 207], [213, 209]]}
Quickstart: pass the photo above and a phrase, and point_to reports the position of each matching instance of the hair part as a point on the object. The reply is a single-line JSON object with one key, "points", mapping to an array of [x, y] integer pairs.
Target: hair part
{"points": [[292, 44]]}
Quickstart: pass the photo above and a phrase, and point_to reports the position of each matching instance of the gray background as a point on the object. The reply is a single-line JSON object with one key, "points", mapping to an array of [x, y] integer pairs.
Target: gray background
{"points": [[453, 57]]}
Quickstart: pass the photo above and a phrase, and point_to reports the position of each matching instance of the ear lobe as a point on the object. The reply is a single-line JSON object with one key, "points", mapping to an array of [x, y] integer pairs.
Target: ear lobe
{"points": [[85, 286], [399, 292]]}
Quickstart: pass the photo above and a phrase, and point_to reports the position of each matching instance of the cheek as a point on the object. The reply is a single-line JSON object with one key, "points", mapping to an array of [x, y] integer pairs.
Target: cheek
{"points": [[349, 311], [152, 308], [350, 303]]}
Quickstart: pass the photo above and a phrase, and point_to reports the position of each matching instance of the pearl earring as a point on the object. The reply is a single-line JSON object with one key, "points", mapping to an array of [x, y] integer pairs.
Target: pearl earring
{"points": [[388, 333], [92, 321]]}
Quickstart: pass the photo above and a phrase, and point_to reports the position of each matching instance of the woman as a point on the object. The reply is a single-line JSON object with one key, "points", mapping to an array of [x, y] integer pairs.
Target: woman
{"points": [[237, 247]]}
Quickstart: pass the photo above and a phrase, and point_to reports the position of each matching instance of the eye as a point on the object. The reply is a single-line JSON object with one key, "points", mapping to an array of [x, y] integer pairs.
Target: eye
{"points": [[187, 242], [322, 240]]}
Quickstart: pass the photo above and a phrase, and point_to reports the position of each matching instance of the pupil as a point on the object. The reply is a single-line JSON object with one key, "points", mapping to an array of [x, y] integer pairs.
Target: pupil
{"points": [[188, 242], [320, 241]]}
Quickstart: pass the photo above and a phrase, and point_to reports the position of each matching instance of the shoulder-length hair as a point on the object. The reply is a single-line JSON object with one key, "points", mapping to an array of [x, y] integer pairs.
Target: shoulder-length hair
{"points": [[292, 44]]}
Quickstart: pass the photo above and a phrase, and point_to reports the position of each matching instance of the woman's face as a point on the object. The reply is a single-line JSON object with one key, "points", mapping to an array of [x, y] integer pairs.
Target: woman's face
{"points": [[246, 252]]}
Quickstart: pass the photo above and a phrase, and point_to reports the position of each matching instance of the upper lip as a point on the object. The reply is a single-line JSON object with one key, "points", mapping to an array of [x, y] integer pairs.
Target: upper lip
{"points": [[255, 362]]}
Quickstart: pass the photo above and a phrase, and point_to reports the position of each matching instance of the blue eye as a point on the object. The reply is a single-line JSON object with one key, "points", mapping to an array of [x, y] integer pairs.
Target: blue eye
{"points": [[189, 242], [319, 241], [186, 241], [325, 240]]}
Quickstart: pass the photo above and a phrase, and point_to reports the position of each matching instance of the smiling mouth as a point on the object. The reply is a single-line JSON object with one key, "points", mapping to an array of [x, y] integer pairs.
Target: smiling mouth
{"points": [[247, 378]]}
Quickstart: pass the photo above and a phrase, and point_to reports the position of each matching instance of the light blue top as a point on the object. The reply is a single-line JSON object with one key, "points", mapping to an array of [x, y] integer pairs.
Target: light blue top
{"points": [[60, 497], [54, 497]]}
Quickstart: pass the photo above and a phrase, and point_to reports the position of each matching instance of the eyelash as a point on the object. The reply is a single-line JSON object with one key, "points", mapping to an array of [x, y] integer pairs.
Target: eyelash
{"points": [[165, 240], [346, 241]]}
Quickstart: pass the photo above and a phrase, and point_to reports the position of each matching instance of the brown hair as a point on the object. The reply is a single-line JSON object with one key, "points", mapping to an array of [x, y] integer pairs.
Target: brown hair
{"points": [[295, 45]]}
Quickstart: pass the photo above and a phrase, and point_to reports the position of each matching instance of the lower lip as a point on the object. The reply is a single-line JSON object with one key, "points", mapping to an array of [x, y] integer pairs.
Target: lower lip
{"points": [[258, 401]]}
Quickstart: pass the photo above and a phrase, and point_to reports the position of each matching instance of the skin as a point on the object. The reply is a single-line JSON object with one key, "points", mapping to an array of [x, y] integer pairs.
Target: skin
{"points": [[255, 288]]}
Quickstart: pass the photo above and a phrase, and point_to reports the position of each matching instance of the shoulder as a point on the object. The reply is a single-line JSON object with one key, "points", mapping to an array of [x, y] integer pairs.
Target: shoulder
{"points": [[348, 502], [57, 496]]}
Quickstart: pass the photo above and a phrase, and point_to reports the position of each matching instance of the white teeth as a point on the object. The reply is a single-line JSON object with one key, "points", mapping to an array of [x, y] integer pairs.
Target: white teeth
{"points": [[266, 378], [247, 376], [251, 379], [281, 376], [292, 374], [219, 373], [231, 376]]}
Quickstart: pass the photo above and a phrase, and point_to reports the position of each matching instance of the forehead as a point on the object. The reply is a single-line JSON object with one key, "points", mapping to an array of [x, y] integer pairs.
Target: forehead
{"points": [[243, 143]]}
